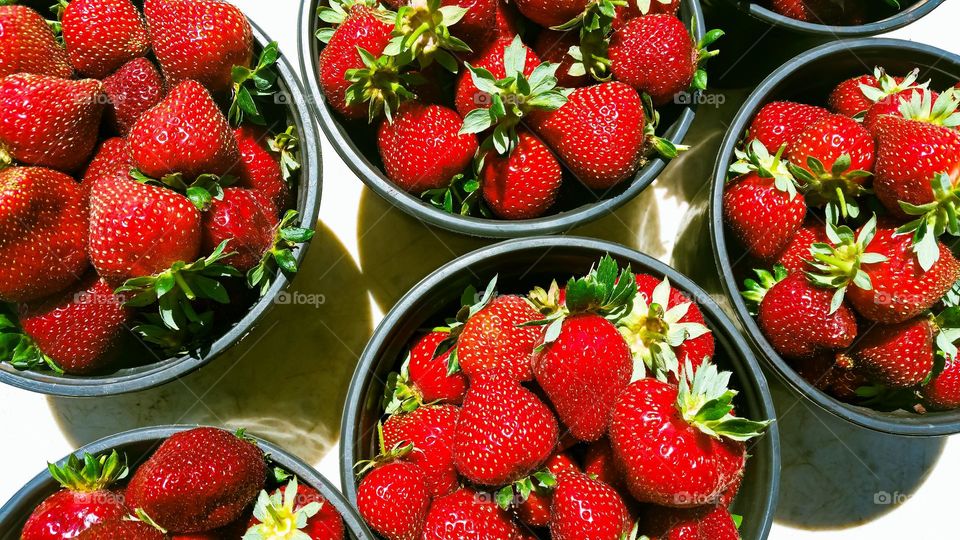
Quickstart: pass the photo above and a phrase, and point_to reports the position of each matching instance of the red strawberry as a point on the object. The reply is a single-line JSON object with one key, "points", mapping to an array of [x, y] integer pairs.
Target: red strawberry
{"points": [[62, 115], [43, 243], [891, 105], [479, 23], [139, 229], [535, 510], [77, 329], [28, 46], [553, 46], [102, 35], [598, 134], [122, 529], [258, 169], [84, 500], [896, 356], [132, 90], [429, 372], [430, 429], [600, 463], [468, 514], [675, 450], [198, 480], [637, 8], [188, 46], [656, 55], [422, 148], [854, 97], [523, 185], [504, 433], [228, 532], [112, 155], [707, 523], [468, 97], [246, 219], [797, 252], [816, 11], [550, 14], [781, 122], [587, 509], [296, 507], [508, 22], [493, 340], [393, 499], [942, 392], [185, 133]]}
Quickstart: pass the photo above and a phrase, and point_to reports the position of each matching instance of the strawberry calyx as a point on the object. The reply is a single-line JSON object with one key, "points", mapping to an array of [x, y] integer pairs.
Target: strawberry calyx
{"points": [[263, 77], [398, 452], [933, 219], [705, 401], [837, 263], [755, 158], [703, 54], [279, 517], [755, 289], [665, 148], [399, 394], [518, 492], [652, 328], [947, 328], [422, 33], [280, 255], [90, 474], [286, 145], [461, 196], [838, 187], [595, 24], [471, 302], [335, 12], [512, 98], [382, 83], [18, 349], [941, 111], [888, 85], [201, 191]]}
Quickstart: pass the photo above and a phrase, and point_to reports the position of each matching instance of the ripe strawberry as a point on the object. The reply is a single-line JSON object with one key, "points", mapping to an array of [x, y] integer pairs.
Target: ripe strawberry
{"points": [[781, 122], [896, 356], [550, 14], [43, 241], [700, 436], [598, 134], [430, 429], [554, 46], [122, 529], [393, 499], [258, 169], [587, 509], [28, 46], [818, 11], [185, 133], [62, 115], [246, 219], [853, 97], [942, 392], [484, 451], [523, 185], [891, 105], [112, 155], [706, 523], [600, 463], [198, 480], [189, 47], [478, 25], [426, 376], [637, 8], [84, 501], [102, 35], [295, 507], [132, 90], [493, 339], [535, 509], [422, 148], [468, 96], [466, 513], [797, 252], [139, 229], [508, 22]]}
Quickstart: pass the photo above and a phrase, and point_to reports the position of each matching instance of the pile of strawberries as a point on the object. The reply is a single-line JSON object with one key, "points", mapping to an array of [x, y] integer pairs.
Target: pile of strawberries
{"points": [[847, 202], [199, 484], [836, 12], [475, 121], [585, 412], [116, 156]]}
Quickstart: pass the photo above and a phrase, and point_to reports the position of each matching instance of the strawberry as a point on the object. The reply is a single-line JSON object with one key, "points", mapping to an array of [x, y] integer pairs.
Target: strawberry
{"points": [[942, 392], [535, 509], [816, 11], [761, 206], [587, 509], [598, 133], [246, 219], [43, 241], [508, 21], [781, 122], [891, 105], [393, 499], [430, 429], [185, 133], [122, 529], [493, 339], [422, 149], [131, 90], [853, 97], [896, 356], [466, 513], [550, 14], [600, 463], [680, 447], [198, 480], [102, 35], [189, 47], [83, 502], [258, 169], [484, 451], [478, 23], [523, 185], [554, 47], [797, 252], [28, 46], [113, 154], [77, 329], [62, 115], [492, 59], [707, 523], [426, 376], [637, 8], [295, 507]]}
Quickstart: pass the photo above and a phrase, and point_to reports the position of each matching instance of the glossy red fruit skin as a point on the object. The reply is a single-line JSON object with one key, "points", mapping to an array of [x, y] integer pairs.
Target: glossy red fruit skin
{"points": [[468, 97], [820, 11], [228, 532], [942, 393], [901, 289], [535, 511], [587, 509], [549, 14], [830, 137], [258, 169], [394, 499], [132, 90], [797, 252], [583, 373], [422, 149], [49, 122], [324, 525], [189, 47], [632, 10], [247, 220], [431, 430], [553, 46], [654, 54], [597, 134], [646, 426], [184, 133], [429, 374], [706, 523], [493, 340], [478, 26], [361, 29], [43, 218], [763, 218], [890, 106], [468, 515], [794, 317], [697, 348], [27, 45], [504, 432], [121, 529], [848, 99], [102, 35], [198, 480], [600, 463], [780, 122], [65, 514], [111, 155], [896, 356], [523, 185]]}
